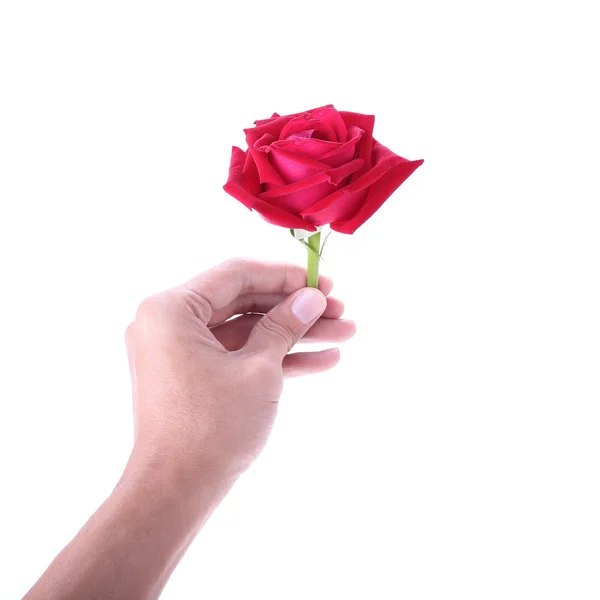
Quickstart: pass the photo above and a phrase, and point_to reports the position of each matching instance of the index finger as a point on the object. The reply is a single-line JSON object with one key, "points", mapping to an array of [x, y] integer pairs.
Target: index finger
{"points": [[218, 287]]}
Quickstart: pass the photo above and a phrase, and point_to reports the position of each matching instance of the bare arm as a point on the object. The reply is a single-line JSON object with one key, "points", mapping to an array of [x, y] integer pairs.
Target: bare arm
{"points": [[131, 545], [205, 395]]}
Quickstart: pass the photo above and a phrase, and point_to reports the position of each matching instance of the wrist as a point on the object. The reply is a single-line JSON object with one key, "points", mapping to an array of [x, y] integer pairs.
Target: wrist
{"points": [[189, 460], [193, 489]]}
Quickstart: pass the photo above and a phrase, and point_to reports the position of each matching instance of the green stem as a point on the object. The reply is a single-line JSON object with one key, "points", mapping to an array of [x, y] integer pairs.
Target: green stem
{"points": [[314, 245]]}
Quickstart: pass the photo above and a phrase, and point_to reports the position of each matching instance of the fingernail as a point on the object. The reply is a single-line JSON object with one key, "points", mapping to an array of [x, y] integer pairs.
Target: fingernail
{"points": [[308, 305]]}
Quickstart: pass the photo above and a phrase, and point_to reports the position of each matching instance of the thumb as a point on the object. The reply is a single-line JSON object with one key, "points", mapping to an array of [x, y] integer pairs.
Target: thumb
{"points": [[285, 324]]}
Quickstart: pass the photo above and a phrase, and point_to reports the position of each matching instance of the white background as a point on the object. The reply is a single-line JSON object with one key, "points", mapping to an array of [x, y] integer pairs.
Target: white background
{"points": [[455, 452]]}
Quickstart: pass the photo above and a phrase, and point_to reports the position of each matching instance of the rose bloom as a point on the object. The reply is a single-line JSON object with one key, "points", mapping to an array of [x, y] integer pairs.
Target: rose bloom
{"points": [[319, 167]]}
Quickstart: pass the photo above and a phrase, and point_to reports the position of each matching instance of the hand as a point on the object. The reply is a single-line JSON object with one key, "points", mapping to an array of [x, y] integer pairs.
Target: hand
{"points": [[205, 388], [205, 393]]}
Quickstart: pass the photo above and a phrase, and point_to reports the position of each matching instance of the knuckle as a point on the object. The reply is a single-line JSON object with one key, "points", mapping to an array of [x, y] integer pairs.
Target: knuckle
{"points": [[234, 264], [197, 304], [156, 308], [275, 329], [148, 307]]}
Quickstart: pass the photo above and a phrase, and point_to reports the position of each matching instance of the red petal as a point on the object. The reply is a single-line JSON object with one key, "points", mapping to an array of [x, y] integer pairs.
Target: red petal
{"points": [[332, 154], [264, 141], [282, 218], [333, 176], [307, 146], [240, 171], [304, 122], [291, 116], [344, 152], [271, 118], [294, 167], [365, 122], [365, 146], [350, 200], [266, 171], [269, 126], [274, 125], [332, 117], [378, 194], [243, 174], [302, 194], [250, 177], [338, 205]]}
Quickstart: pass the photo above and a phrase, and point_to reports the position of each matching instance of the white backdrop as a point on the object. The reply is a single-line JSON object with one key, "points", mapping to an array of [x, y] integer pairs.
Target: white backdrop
{"points": [[455, 451]]}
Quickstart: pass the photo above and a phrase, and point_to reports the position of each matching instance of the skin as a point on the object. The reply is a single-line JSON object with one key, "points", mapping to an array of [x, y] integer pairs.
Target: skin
{"points": [[206, 388]]}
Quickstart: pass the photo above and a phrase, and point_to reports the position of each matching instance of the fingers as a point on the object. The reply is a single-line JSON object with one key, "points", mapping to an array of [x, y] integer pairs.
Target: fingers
{"points": [[308, 363], [217, 288], [276, 332], [330, 331], [234, 333], [263, 303]]}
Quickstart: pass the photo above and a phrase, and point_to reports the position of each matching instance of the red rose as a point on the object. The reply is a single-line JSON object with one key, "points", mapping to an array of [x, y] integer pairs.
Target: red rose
{"points": [[314, 168]]}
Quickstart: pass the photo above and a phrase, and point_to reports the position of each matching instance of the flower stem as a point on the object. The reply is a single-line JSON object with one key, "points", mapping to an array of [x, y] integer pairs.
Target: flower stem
{"points": [[314, 245]]}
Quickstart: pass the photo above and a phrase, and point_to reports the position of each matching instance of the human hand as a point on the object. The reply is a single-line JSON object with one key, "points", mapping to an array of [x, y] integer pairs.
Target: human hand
{"points": [[205, 388], [205, 394]]}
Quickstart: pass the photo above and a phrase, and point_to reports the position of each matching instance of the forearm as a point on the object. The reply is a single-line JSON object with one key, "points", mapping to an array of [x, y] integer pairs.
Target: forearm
{"points": [[206, 389], [132, 544]]}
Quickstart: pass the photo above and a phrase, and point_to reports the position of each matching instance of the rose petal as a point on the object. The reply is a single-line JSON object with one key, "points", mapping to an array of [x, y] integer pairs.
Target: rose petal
{"points": [[294, 167], [365, 145], [271, 118], [332, 117], [239, 184], [302, 123], [274, 125], [364, 122], [302, 194], [334, 176], [344, 152], [307, 146], [297, 201], [378, 194], [266, 171], [382, 159], [276, 115], [243, 174], [250, 176], [280, 217], [340, 204], [269, 126], [332, 154], [264, 141], [346, 202], [301, 135]]}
